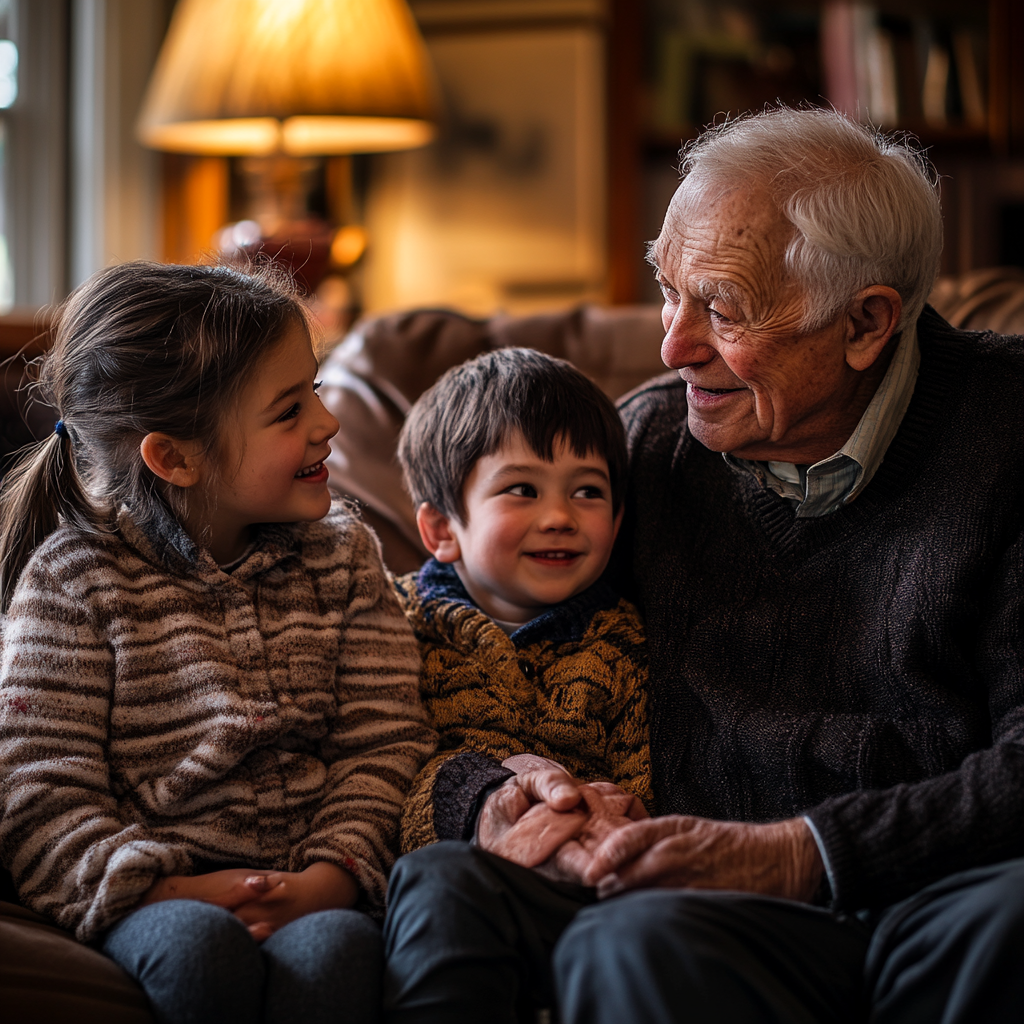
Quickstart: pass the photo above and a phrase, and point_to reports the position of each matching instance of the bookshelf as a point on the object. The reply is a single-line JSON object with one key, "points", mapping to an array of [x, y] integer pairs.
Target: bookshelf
{"points": [[947, 71]]}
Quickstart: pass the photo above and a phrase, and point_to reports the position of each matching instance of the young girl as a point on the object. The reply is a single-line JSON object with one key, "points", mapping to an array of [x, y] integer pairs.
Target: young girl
{"points": [[208, 694]]}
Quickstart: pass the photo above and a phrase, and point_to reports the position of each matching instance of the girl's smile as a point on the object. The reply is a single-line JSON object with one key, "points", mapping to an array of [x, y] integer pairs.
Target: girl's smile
{"points": [[317, 473], [271, 467]]}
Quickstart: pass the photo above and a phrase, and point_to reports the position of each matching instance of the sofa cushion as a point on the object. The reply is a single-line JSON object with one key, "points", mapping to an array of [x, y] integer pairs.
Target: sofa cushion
{"points": [[47, 977]]}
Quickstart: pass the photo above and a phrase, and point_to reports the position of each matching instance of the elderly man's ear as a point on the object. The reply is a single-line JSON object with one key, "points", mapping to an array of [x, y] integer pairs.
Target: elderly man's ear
{"points": [[436, 533], [871, 321]]}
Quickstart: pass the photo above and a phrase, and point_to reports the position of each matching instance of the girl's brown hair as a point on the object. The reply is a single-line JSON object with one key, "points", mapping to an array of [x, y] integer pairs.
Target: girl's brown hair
{"points": [[138, 348]]}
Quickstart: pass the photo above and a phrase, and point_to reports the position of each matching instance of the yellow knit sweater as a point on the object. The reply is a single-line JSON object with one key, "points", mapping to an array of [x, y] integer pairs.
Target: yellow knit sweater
{"points": [[570, 685]]}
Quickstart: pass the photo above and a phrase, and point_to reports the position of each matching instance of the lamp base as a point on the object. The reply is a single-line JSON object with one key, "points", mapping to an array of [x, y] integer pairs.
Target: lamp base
{"points": [[277, 190]]}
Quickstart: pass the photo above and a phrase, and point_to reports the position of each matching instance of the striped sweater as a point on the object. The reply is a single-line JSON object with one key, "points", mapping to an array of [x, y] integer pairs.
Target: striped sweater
{"points": [[569, 685], [160, 716]]}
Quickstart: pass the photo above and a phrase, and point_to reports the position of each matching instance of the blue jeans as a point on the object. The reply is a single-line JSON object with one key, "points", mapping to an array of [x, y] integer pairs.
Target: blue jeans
{"points": [[198, 964]]}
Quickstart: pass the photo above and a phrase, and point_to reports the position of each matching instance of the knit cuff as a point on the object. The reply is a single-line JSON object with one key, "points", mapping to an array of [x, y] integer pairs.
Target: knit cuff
{"points": [[823, 897], [839, 858], [458, 785]]}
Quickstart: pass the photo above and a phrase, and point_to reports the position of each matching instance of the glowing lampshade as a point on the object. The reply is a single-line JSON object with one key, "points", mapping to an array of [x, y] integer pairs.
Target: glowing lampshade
{"points": [[299, 77]]}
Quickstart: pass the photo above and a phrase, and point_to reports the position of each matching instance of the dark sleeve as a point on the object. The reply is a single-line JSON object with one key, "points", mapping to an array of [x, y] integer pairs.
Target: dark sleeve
{"points": [[447, 796], [462, 785], [883, 845]]}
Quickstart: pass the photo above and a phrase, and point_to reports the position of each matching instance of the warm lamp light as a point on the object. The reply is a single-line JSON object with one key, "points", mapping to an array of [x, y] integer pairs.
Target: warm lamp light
{"points": [[294, 77]]}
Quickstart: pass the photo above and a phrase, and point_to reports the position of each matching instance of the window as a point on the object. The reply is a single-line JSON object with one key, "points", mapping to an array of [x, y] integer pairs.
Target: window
{"points": [[33, 102], [8, 94]]}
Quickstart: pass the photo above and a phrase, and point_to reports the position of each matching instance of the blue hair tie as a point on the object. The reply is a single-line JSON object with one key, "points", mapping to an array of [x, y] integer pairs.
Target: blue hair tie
{"points": [[60, 430]]}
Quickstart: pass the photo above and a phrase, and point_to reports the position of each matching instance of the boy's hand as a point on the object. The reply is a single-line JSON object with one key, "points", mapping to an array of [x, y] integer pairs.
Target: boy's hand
{"points": [[288, 895], [230, 888]]}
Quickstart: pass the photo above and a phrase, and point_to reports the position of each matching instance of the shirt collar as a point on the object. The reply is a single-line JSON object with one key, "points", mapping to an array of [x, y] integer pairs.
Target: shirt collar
{"points": [[837, 480]]}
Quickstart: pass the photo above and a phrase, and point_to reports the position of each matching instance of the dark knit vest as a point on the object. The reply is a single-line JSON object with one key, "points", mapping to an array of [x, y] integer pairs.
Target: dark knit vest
{"points": [[864, 667]]}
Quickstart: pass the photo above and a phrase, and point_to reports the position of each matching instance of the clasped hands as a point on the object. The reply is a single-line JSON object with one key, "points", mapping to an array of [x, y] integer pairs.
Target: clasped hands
{"points": [[595, 834], [262, 900]]}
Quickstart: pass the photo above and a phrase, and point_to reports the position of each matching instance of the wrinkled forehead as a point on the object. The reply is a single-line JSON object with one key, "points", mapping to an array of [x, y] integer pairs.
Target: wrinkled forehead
{"points": [[720, 219]]}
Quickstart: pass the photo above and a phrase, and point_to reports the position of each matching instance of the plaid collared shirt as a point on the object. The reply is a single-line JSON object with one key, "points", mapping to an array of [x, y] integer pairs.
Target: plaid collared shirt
{"points": [[837, 480]]}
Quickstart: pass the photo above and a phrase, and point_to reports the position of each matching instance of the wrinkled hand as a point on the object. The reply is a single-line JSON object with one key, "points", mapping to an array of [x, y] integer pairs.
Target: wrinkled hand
{"points": [[530, 815], [287, 895], [677, 851], [608, 808], [547, 820], [230, 888]]}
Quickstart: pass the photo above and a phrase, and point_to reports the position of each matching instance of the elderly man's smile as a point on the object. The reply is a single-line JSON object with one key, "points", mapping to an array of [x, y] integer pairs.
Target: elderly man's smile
{"points": [[698, 390], [710, 398]]}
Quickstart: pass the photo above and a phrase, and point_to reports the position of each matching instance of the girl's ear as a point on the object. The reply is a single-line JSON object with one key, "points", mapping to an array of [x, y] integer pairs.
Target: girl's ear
{"points": [[436, 534], [177, 462]]}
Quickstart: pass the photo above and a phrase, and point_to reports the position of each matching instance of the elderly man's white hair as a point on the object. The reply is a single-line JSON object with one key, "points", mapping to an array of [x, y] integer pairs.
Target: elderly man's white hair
{"points": [[865, 206]]}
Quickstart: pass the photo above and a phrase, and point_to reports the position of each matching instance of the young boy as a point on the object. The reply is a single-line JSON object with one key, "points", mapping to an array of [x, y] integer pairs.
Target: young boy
{"points": [[516, 463]]}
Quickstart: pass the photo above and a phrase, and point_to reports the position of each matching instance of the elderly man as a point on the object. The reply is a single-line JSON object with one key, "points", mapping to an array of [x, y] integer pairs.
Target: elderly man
{"points": [[824, 533]]}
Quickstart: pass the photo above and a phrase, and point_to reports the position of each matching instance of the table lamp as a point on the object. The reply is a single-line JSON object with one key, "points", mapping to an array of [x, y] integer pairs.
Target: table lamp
{"points": [[283, 81]]}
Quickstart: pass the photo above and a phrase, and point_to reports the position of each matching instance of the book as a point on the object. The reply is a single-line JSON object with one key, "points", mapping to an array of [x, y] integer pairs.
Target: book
{"points": [[934, 94], [972, 97]]}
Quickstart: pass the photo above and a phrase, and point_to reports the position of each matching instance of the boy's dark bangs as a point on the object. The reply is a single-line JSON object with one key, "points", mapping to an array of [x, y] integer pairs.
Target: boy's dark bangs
{"points": [[545, 411], [582, 429]]}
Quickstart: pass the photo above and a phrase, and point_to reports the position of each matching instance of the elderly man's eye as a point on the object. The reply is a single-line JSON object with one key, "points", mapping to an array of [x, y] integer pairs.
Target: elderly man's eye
{"points": [[670, 294]]}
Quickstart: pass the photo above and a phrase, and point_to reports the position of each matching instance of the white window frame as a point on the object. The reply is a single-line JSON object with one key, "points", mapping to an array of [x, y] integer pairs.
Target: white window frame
{"points": [[36, 153]]}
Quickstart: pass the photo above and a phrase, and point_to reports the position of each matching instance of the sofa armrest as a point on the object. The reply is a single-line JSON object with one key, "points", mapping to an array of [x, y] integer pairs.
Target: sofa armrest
{"points": [[48, 976]]}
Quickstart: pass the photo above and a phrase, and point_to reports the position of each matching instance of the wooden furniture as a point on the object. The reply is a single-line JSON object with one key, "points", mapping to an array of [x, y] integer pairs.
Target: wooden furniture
{"points": [[979, 162]]}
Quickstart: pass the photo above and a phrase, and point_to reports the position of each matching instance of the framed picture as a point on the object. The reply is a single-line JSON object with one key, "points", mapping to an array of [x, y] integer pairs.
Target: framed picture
{"points": [[506, 210]]}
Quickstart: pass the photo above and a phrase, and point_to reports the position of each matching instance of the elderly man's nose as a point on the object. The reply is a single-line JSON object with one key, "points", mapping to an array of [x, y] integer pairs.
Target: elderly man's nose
{"points": [[683, 347]]}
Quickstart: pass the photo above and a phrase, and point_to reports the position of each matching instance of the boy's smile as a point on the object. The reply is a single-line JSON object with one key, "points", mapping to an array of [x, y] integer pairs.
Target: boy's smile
{"points": [[536, 532]]}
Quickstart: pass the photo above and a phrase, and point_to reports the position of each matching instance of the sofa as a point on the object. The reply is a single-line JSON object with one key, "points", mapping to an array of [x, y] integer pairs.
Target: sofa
{"points": [[373, 377], [370, 381]]}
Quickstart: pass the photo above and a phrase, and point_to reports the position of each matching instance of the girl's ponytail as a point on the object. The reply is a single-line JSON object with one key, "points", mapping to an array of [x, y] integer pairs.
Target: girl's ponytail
{"points": [[138, 348], [39, 492]]}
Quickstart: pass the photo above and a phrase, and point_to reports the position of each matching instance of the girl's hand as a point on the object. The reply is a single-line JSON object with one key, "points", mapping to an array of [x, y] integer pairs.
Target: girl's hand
{"points": [[290, 895], [230, 888]]}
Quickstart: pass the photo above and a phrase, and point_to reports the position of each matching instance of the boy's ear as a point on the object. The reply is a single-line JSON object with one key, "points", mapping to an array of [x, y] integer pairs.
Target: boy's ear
{"points": [[177, 462], [436, 534]]}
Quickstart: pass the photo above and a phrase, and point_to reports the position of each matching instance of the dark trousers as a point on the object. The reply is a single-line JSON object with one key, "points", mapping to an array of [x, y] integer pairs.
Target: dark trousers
{"points": [[472, 938]]}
